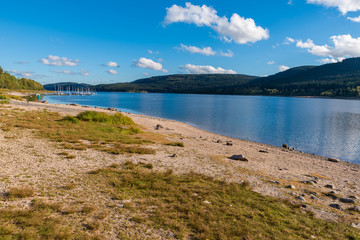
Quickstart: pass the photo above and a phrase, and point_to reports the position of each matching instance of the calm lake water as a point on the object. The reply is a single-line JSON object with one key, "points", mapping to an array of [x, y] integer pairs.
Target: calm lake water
{"points": [[327, 127]]}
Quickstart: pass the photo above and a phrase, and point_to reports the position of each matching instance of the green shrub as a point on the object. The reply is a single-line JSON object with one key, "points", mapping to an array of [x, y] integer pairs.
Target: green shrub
{"points": [[4, 97], [117, 118], [70, 119], [4, 102]]}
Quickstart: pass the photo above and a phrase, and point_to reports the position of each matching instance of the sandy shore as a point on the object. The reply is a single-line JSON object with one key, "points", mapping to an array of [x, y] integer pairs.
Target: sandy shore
{"points": [[269, 170]]}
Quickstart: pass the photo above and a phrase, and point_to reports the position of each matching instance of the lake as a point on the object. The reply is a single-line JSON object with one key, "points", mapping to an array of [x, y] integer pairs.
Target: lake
{"points": [[326, 127]]}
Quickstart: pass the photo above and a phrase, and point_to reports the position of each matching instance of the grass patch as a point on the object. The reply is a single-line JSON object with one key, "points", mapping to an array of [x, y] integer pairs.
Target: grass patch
{"points": [[115, 134], [176, 144], [117, 118], [4, 102], [198, 207], [38, 222], [20, 192]]}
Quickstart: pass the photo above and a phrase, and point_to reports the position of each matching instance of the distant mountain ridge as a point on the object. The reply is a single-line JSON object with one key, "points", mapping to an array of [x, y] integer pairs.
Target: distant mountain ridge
{"points": [[333, 79]]}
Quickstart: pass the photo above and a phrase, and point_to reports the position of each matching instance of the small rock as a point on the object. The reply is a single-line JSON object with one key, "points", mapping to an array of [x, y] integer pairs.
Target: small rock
{"points": [[329, 186], [301, 198], [354, 208], [158, 127], [307, 182], [239, 158], [44, 101], [353, 197], [111, 109], [174, 155], [183, 138], [355, 225], [263, 151], [313, 198], [335, 205], [275, 182], [229, 144], [120, 205], [206, 202], [290, 186], [346, 200], [335, 160], [219, 141], [285, 146], [74, 104]]}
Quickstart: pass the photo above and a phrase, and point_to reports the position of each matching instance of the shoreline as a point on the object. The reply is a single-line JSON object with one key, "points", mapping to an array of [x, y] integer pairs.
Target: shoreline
{"points": [[269, 169]]}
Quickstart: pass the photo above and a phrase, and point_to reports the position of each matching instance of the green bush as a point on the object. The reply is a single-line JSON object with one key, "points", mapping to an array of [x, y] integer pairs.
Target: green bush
{"points": [[71, 119], [117, 118]]}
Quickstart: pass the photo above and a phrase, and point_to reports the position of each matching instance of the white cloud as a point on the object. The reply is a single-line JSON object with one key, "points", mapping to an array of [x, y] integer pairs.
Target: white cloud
{"points": [[82, 72], [206, 69], [229, 53], [58, 61], [330, 60], [344, 6], [283, 68], [67, 72], [207, 51], [112, 64], [239, 29], [25, 74], [271, 62], [22, 62], [111, 71], [289, 40], [354, 19], [290, 2], [146, 74], [153, 52], [150, 64], [343, 46]]}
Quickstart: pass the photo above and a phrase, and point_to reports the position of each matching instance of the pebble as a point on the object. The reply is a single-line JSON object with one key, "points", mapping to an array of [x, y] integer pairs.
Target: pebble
{"points": [[335, 160], [207, 202], [239, 157], [301, 198], [329, 186], [290, 186], [229, 144], [353, 197], [275, 182], [174, 155], [263, 151], [120, 205], [158, 127], [346, 200], [335, 205]]}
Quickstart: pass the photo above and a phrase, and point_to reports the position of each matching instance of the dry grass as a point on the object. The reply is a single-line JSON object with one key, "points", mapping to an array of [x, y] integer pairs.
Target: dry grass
{"points": [[20, 192], [198, 207], [115, 134]]}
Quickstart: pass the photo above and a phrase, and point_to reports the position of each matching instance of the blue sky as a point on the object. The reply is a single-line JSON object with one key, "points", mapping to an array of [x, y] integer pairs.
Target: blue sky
{"points": [[112, 41]]}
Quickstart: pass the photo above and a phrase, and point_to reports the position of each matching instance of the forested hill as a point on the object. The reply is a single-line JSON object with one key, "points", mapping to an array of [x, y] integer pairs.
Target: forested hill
{"points": [[11, 82], [336, 79], [180, 83]]}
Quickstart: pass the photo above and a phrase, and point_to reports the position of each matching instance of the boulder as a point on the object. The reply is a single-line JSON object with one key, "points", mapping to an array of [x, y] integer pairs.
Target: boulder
{"points": [[239, 157]]}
